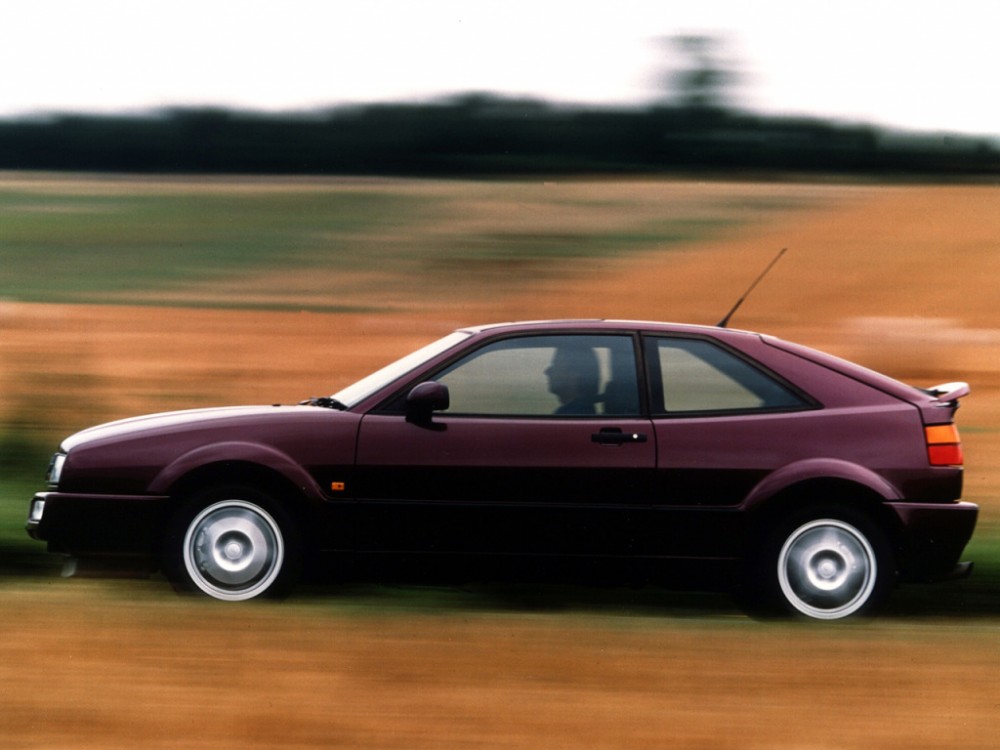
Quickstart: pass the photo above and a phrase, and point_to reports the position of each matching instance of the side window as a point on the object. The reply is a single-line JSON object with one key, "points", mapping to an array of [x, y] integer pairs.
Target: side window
{"points": [[567, 375], [699, 376]]}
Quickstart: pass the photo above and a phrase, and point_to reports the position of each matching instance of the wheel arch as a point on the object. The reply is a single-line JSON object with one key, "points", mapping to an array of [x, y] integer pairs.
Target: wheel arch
{"points": [[821, 470], [823, 484], [238, 463], [297, 500]]}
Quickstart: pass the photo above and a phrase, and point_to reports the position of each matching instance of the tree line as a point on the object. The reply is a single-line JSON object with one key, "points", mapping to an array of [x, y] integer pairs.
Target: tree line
{"points": [[483, 135]]}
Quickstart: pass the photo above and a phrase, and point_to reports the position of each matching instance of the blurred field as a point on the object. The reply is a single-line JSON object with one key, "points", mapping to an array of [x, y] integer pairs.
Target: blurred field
{"points": [[87, 668], [269, 291]]}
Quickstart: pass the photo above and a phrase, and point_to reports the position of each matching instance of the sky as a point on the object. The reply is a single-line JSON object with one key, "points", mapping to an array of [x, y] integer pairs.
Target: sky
{"points": [[908, 64]]}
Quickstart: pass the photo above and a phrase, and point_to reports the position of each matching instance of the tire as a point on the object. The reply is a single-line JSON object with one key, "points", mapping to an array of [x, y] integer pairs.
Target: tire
{"points": [[233, 543], [828, 564]]}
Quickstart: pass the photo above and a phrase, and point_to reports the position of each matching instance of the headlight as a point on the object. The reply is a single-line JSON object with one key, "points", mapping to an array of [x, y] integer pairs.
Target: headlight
{"points": [[55, 469], [37, 509]]}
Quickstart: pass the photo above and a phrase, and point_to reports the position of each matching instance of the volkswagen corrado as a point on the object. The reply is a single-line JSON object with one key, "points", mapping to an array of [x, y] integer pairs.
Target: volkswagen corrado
{"points": [[810, 484]]}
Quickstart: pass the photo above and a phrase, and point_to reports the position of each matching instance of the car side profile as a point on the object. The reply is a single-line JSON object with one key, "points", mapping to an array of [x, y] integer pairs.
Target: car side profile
{"points": [[809, 484]]}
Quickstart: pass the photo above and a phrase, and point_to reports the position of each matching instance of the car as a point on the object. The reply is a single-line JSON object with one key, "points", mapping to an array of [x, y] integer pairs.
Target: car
{"points": [[807, 484]]}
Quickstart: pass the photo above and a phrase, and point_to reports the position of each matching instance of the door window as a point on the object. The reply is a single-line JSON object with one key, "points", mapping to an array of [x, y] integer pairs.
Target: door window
{"points": [[563, 376]]}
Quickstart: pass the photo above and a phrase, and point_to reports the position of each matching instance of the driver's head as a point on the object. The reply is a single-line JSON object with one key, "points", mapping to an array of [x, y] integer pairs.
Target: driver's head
{"points": [[574, 373]]}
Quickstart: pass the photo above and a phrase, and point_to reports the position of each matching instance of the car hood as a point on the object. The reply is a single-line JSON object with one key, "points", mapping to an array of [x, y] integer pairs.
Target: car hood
{"points": [[193, 420]]}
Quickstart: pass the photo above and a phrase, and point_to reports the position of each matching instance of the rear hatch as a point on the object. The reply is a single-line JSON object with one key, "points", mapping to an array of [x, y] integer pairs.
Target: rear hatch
{"points": [[937, 404]]}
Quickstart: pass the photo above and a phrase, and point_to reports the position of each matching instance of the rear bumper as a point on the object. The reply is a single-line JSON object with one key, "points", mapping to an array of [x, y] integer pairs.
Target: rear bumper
{"points": [[932, 538], [960, 571], [98, 524]]}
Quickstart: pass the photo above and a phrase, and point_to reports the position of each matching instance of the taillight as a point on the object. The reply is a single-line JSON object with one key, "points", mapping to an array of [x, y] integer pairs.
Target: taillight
{"points": [[944, 448]]}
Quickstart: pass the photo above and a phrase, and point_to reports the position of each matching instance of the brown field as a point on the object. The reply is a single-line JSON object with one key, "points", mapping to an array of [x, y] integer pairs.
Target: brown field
{"points": [[902, 278]]}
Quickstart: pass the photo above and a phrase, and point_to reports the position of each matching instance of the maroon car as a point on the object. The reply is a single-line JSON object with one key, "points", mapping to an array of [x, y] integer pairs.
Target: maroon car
{"points": [[812, 483]]}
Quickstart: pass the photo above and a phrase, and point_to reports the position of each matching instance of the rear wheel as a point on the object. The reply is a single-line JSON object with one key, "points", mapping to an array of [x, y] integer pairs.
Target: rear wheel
{"points": [[233, 543], [828, 564]]}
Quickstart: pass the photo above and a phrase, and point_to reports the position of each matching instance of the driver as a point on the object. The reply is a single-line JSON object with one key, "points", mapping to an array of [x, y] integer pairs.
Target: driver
{"points": [[574, 378]]}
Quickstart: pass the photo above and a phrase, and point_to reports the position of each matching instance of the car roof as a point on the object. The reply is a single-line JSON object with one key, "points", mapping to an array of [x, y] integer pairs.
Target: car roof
{"points": [[592, 324]]}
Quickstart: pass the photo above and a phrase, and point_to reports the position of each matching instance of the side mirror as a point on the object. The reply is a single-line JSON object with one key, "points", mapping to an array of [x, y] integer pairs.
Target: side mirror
{"points": [[425, 399]]}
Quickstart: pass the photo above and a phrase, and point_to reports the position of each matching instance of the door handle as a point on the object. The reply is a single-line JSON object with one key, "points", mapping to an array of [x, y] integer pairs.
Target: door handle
{"points": [[614, 436]]}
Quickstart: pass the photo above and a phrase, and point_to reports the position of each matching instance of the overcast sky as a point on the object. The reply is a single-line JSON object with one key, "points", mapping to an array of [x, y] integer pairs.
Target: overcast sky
{"points": [[909, 63]]}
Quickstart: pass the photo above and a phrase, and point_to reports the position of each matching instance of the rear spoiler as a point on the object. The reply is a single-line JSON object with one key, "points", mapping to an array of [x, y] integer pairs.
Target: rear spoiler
{"points": [[948, 394]]}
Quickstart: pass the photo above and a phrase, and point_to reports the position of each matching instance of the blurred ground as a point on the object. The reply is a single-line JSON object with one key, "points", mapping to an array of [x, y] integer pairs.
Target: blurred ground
{"points": [[88, 670], [901, 278]]}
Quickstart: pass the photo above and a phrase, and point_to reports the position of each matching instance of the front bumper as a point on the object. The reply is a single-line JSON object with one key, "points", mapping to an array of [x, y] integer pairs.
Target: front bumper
{"points": [[98, 524], [932, 539]]}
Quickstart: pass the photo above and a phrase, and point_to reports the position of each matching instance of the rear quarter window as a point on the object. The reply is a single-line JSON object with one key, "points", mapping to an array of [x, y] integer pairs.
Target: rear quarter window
{"points": [[695, 375]]}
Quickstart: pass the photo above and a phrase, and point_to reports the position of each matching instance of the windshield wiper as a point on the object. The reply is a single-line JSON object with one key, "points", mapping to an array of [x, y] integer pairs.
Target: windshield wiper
{"points": [[324, 401]]}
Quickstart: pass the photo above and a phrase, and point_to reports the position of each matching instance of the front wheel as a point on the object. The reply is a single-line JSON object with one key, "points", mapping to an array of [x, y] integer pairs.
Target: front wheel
{"points": [[828, 565], [232, 544]]}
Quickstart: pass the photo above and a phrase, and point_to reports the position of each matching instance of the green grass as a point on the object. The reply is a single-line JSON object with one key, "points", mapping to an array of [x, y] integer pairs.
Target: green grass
{"points": [[72, 248], [24, 458], [21, 556], [287, 245]]}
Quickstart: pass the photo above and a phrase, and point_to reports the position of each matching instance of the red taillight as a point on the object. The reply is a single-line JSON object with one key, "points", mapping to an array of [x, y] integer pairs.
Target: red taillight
{"points": [[944, 448]]}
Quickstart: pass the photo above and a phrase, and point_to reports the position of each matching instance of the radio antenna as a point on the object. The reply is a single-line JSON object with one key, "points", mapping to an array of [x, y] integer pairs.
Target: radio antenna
{"points": [[725, 321]]}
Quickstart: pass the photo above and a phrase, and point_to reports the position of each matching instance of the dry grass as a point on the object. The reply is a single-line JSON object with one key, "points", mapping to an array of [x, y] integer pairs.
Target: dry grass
{"points": [[901, 278], [81, 669]]}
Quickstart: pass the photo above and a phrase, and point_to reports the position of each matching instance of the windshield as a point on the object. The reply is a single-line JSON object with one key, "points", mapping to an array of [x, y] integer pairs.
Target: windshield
{"points": [[359, 391]]}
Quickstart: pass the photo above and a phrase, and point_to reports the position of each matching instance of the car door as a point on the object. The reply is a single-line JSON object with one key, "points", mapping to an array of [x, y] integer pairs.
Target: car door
{"points": [[542, 450]]}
